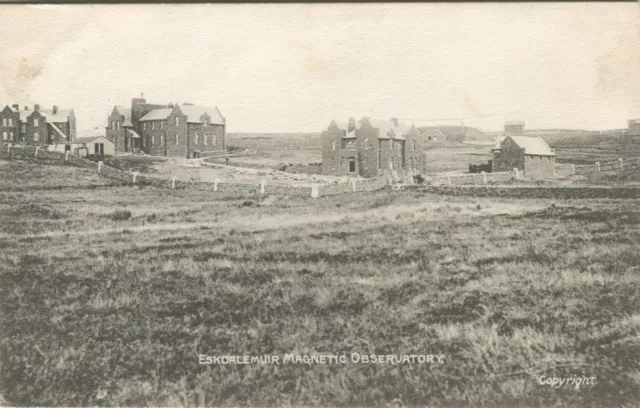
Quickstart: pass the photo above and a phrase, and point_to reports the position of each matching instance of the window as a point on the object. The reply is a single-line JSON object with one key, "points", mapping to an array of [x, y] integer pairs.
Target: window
{"points": [[23, 127], [162, 140], [333, 145], [365, 143], [205, 139], [349, 144], [153, 125], [214, 139], [413, 144], [4, 122], [144, 126], [36, 122], [153, 140], [10, 121], [352, 165], [4, 136], [36, 136], [196, 139], [161, 125], [177, 121], [11, 136], [177, 138]]}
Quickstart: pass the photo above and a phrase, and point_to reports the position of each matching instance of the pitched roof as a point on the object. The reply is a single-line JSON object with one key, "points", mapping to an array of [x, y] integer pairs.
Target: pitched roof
{"points": [[194, 114], [126, 112], [23, 113], [389, 130], [61, 115], [157, 114], [57, 129], [535, 146]]}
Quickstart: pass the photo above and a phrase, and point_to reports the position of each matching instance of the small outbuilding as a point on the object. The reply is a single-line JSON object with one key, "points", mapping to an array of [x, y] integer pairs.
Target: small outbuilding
{"points": [[530, 155], [96, 146]]}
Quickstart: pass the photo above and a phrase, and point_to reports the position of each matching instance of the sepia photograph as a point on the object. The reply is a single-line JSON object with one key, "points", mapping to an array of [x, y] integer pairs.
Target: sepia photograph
{"points": [[320, 205]]}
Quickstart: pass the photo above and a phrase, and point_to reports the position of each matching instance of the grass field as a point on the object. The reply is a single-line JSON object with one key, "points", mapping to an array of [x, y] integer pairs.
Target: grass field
{"points": [[108, 296]]}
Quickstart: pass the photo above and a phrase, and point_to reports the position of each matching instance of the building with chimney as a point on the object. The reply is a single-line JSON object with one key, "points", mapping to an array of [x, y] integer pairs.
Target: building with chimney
{"points": [[38, 126], [634, 127], [530, 155], [370, 148], [514, 127], [185, 130]]}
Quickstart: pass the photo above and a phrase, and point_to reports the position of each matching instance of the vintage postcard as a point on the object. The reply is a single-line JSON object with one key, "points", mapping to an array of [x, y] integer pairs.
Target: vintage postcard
{"points": [[320, 205]]}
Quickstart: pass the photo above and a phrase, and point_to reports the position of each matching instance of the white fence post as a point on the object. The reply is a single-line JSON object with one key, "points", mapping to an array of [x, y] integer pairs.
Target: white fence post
{"points": [[262, 184], [37, 149], [135, 175], [100, 164], [66, 156], [449, 179], [484, 178], [173, 183], [620, 160], [573, 169], [517, 173], [215, 185], [598, 166], [315, 193], [353, 186]]}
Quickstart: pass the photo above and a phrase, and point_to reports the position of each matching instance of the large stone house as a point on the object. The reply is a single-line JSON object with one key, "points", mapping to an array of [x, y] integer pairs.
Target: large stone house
{"points": [[371, 147], [530, 155], [37, 126], [166, 130]]}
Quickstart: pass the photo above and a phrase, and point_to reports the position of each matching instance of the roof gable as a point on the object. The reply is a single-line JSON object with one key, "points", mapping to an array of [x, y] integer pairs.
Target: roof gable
{"points": [[534, 146]]}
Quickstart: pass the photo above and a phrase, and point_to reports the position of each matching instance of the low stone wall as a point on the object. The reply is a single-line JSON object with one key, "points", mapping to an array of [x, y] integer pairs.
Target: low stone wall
{"points": [[533, 191], [474, 179], [564, 170]]}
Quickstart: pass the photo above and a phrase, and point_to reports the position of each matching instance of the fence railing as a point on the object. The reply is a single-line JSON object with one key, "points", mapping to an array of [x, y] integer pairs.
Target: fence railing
{"points": [[617, 165], [38, 154]]}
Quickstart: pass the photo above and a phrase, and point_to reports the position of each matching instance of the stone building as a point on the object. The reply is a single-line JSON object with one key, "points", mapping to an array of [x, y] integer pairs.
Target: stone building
{"points": [[515, 128], [37, 126], [530, 155], [166, 130], [371, 147], [634, 127]]}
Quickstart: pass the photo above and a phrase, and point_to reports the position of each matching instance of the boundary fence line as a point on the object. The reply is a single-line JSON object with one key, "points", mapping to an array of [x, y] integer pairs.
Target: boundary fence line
{"points": [[42, 155]]}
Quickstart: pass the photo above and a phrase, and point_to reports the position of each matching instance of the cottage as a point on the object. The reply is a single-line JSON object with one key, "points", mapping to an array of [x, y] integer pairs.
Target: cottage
{"points": [[531, 155], [97, 146], [372, 147], [183, 130]]}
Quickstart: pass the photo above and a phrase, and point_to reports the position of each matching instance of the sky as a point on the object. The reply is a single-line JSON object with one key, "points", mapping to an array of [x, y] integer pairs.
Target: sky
{"points": [[295, 67]]}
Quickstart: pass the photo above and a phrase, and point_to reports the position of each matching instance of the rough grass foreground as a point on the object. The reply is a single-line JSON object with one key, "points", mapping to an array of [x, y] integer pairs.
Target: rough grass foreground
{"points": [[109, 309]]}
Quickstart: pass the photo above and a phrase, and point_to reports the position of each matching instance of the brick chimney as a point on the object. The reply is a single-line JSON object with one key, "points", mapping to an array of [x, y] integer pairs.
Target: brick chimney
{"points": [[36, 107], [16, 107], [395, 121], [26, 108], [352, 124], [55, 109]]}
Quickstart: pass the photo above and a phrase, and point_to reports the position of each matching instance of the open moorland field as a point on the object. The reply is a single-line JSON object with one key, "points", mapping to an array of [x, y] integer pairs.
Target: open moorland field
{"points": [[109, 295], [592, 148]]}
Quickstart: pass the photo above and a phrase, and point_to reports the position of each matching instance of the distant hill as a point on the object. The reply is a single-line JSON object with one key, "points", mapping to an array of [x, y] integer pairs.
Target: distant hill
{"points": [[275, 141]]}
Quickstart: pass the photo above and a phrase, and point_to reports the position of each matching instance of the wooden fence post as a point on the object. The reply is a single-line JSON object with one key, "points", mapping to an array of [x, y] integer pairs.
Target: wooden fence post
{"points": [[516, 173], [37, 149], [573, 169], [66, 156], [484, 178], [173, 183], [598, 166], [620, 160], [215, 185], [135, 175], [10, 151], [100, 164], [315, 193], [262, 184], [353, 186], [449, 179]]}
